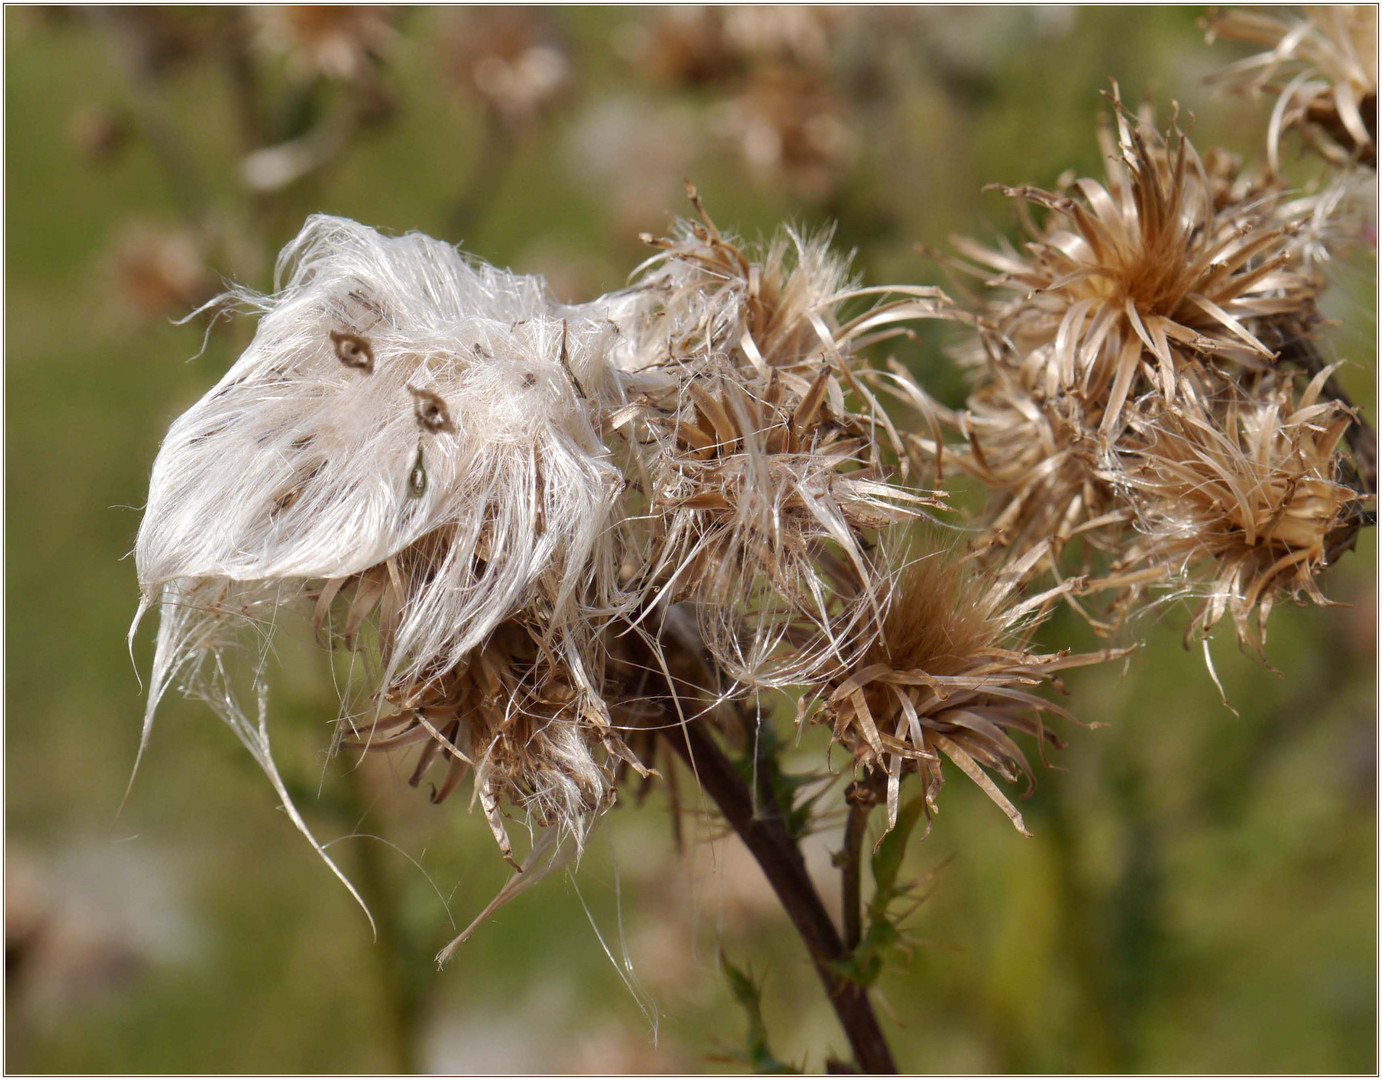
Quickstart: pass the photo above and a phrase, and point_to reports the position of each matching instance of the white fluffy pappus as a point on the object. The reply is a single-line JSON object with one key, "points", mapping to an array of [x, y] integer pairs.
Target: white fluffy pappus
{"points": [[394, 390]]}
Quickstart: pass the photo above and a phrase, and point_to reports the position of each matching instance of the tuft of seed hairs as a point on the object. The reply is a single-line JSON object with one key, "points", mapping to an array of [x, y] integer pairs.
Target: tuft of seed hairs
{"points": [[414, 436]]}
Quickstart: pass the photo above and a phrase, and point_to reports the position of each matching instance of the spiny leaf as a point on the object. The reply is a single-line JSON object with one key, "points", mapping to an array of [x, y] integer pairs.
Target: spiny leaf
{"points": [[748, 994]]}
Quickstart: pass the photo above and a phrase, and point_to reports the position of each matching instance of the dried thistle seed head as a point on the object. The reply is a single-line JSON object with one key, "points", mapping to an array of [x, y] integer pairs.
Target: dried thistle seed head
{"points": [[1321, 65], [522, 718], [1239, 499], [1134, 284], [762, 466], [950, 675], [767, 508], [760, 312], [724, 311], [1043, 470]]}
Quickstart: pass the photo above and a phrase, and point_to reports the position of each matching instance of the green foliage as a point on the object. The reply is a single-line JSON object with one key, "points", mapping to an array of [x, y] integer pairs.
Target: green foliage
{"points": [[789, 793], [749, 996], [883, 933]]}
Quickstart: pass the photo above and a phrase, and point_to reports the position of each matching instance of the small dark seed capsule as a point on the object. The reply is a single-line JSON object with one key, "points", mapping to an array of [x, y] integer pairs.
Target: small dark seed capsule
{"points": [[353, 351], [417, 479], [431, 411], [284, 502]]}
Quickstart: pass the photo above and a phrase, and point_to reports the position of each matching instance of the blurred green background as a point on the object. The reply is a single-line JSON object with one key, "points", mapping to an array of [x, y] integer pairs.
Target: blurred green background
{"points": [[1200, 894]]}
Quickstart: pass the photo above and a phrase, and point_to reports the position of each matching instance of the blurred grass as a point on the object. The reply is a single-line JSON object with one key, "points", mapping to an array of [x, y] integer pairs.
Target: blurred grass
{"points": [[1200, 893]]}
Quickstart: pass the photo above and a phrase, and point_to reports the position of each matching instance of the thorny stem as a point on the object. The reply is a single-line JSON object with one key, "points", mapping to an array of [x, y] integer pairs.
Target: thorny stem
{"points": [[761, 828]]}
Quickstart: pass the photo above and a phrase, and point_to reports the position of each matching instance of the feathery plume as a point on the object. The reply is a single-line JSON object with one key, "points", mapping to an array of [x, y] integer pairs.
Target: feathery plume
{"points": [[413, 430]]}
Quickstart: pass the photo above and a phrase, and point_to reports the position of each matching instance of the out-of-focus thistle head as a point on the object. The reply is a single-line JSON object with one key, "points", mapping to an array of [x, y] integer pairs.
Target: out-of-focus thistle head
{"points": [[341, 42], [412, 438], [791, 127], [1321, 64], [510, 59], [1241, 498], [1156, 273], [950, 675], [765, 472]]}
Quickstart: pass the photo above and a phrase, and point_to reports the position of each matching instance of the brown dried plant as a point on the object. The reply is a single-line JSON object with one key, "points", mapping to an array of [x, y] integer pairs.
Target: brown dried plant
{"points": [[952, 673], [1181, 283], [1157, 273], [1321, 64], [771, 479], [524, 711], [1241, 497]]}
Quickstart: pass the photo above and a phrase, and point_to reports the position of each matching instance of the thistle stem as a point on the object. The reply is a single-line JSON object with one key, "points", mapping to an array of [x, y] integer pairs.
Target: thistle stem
{"points": [[861, 800], [760, 827]]}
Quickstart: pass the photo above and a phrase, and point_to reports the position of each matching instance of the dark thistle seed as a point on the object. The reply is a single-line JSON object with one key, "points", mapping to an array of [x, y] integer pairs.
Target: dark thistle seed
{"points": [[564, 357], [430, 410], [417, 479], [353, 351]]}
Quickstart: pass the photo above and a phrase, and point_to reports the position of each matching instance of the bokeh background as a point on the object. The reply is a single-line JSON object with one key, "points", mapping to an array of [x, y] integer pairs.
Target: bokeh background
{"points": [[1200, 894]]}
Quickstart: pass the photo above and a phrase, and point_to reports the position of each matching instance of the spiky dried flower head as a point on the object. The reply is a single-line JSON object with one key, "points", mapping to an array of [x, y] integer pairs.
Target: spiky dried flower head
{"points": [[1321, 63], [1040, 457], [1241, 498], [1176, 276], [767, 480], [1128, 284], [410, 427], [951, 675], [515, 710]]}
